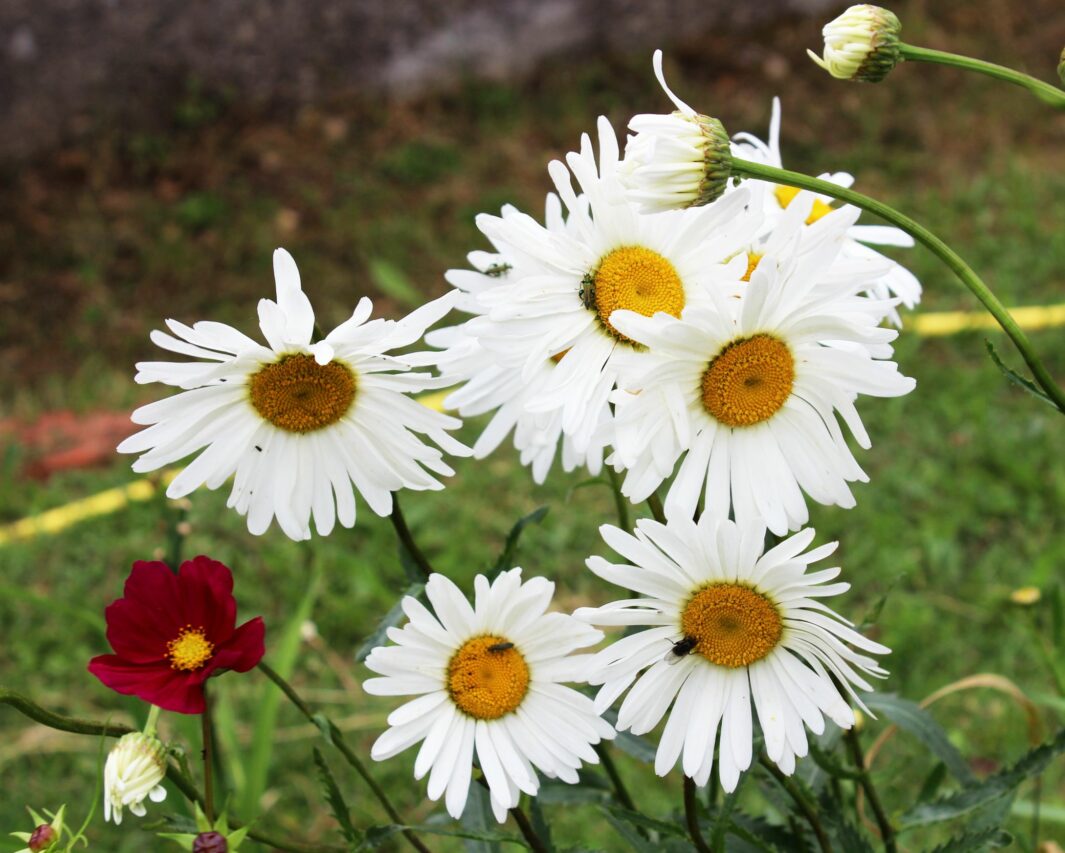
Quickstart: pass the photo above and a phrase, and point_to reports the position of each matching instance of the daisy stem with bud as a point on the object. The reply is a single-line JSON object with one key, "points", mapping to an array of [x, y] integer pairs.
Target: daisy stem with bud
{"points": [[785, 177], [1044, 91]]}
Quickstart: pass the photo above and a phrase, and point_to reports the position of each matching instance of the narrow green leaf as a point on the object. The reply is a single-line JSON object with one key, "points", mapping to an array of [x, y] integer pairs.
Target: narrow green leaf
{"points": [[916, 721], [932, 782], [283, 659], [636, 841], [976, 842], [676, 830], [1057, 616], [510, 547], [392, 619], [394, 283], [1014, 377], [540, 824], [335, 799], [477, 818], [591, 789], [376, 836], [993, 788]]}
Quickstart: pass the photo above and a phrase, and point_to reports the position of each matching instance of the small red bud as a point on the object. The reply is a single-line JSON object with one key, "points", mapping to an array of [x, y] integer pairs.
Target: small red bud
{"points": [[43, 837], [210, 842]]}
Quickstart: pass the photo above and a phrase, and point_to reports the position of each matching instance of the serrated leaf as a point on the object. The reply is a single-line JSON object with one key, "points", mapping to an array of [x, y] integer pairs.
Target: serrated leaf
{"points": [[637, 819], [393, 282], [335, 799], [636, 841], [916, 721], [391, 620], [932, 782], [973, 842], [1014, 377], [986, 792], [510, 547]]}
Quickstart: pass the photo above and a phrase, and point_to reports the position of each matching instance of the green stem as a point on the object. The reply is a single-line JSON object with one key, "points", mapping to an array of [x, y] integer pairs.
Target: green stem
{"points": [[621, 503], [947, 255], [208, 757], [178, 778], [887, 831], [336, 738], [407, 538], [620, 791], [691, 816], [800, 799], [534, 841], [654, 502], [153, 718], [1044, 91]]}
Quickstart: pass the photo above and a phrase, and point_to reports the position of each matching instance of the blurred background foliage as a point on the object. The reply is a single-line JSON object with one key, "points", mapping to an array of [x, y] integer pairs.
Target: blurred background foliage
{"points": [[110, 232]]}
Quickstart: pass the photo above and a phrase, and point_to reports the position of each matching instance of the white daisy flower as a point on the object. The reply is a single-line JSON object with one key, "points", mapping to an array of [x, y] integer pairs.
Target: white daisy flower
{"points": [[490, 386], [297, 422], [861, 44], [561, 288], [727, 626], [133, 773], [488, 684], [747, 391], [677, 160], [896, 280]]}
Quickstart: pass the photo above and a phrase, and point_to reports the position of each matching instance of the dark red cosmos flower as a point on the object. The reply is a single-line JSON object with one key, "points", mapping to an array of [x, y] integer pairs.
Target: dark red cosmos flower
{"points": [[172, 632]]}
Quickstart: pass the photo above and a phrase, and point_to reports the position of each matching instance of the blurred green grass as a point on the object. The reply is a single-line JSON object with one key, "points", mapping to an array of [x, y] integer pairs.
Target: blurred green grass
{"points": [[967, 477]]}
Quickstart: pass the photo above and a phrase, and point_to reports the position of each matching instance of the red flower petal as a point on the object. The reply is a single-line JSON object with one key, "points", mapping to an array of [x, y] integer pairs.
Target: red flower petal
{"points": [[153, 587], [136, 633], [206, 598], [157, 683], [244, 649]]}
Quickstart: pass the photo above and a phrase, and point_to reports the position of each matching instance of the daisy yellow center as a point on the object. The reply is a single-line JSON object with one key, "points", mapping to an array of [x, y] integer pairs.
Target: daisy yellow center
{"points": [[748, 381], [633, 278], [732, 625], [297, 394], [487, 677], [786, 195], [190, 650], [753, 259]]}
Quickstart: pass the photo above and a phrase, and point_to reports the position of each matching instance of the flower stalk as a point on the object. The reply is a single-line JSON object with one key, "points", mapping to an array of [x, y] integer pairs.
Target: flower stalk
{"points": [[1044, 91], [968, 277], [887, 831], [691, 816]]}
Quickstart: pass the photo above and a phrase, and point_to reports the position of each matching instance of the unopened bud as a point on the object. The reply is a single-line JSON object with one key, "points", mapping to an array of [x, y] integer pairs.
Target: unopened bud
{"points": [[133, 772], [861, 44], [210, 842], [43, 837]]}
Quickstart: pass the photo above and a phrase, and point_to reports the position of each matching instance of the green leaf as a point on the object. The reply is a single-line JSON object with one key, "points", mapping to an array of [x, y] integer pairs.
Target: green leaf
{"points": [[760, 832], [376, 836], [510, 547], [1014, 377], [932, 782], [392, 619], [636, 841], [634, 745], [283, 659], [477, 817], [335, 799], [393, 283], [1057, 616], [916, 721], [985, 793], [591, 789], [540, 824], [974, 842], [676, 830]]}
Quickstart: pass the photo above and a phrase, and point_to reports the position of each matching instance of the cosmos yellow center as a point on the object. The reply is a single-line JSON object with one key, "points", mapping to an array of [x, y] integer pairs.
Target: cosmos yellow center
{"points": [[733, 625], [748, 381], [298, 394], [190, 650], [753, 259], [633, 278], [487, 677], [786, 195]]}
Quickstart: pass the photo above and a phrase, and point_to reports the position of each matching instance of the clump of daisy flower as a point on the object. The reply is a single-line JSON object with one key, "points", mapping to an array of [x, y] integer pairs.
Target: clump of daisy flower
{"points": [[726, 626], [133, 773], [677, 160], [861, 44], [297, 423], [488, 681], [747, 391]]}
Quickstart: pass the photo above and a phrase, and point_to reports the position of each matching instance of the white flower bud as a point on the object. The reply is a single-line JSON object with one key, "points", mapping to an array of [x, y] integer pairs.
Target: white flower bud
{"points": [[677, 160], [861, 44], [134, 769]]}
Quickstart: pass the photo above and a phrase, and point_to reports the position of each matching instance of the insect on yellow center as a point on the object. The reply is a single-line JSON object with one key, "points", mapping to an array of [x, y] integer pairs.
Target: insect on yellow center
{"points": [[190, 650], [487, 677], [753, 259], [786, 195], [633, 278], [733, 625], [297, 394], [748, 381]]}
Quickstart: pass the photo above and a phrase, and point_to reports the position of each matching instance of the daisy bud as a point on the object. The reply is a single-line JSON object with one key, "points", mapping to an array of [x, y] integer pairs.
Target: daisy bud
{"points": [[210, 842], [675, 161], [133, 772], [42, 838], [861, 44]]}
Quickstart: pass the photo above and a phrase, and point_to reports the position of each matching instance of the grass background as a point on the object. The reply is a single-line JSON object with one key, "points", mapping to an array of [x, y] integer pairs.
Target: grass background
{"points": [[106, 237]]}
